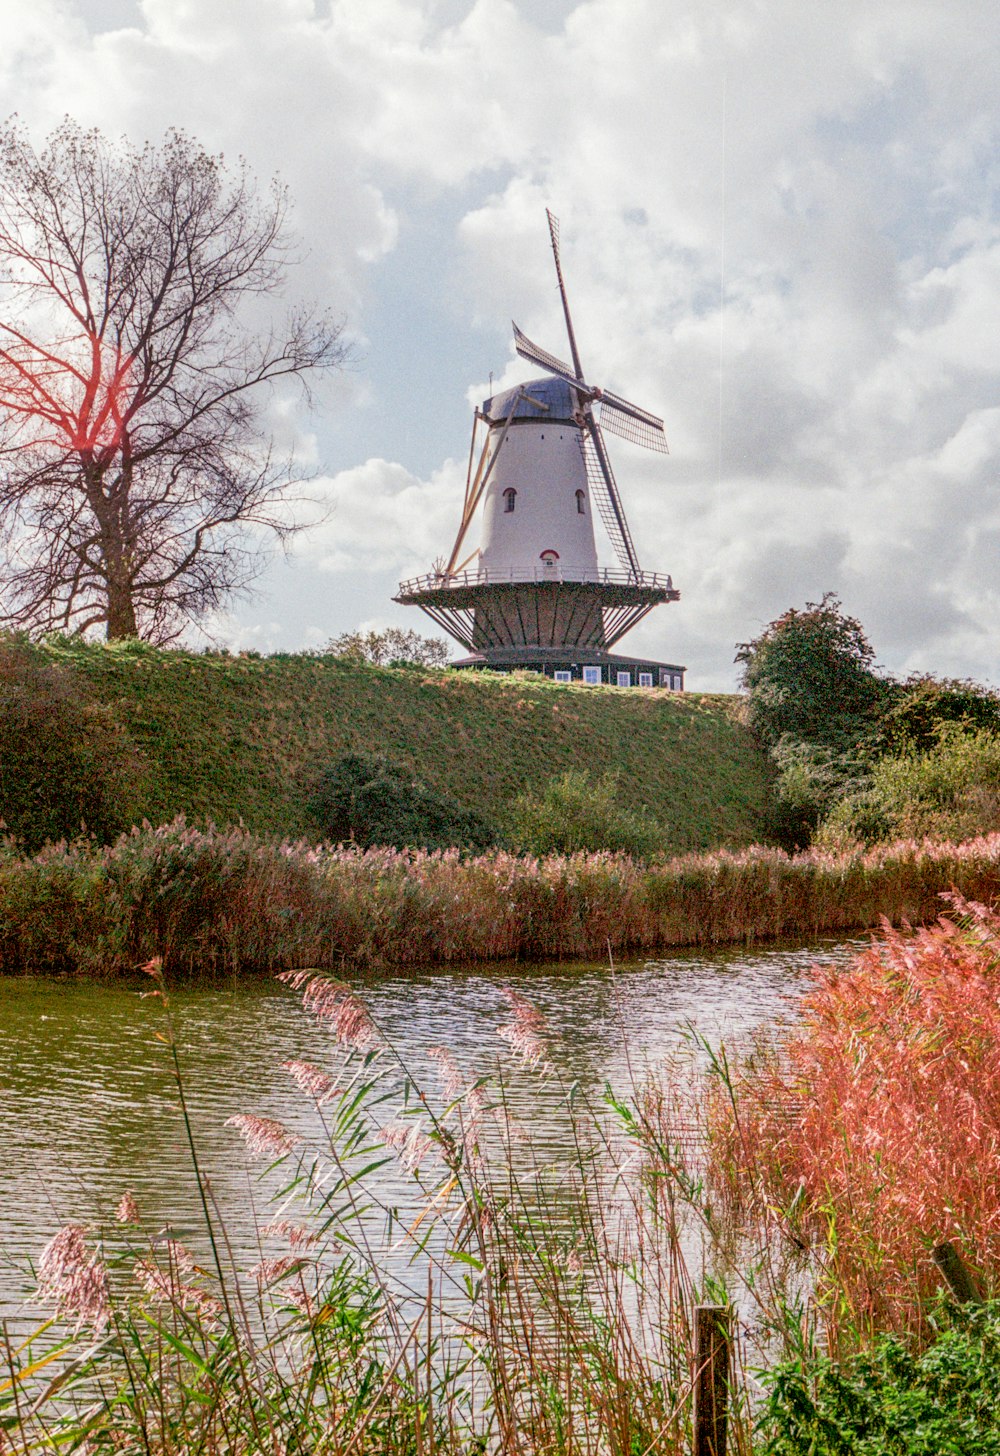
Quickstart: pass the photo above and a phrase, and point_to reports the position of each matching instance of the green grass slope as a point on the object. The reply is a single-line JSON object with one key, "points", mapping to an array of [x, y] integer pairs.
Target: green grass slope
{"points": [[242, 738]]}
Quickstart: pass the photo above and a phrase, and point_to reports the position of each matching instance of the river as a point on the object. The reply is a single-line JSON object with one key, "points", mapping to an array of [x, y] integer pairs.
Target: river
{"points": [[90, 1107]]}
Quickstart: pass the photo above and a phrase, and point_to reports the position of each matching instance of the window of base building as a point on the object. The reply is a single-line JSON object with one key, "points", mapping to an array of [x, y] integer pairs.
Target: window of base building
{"points": [[624, 679], [672, 680], [563, 676], [592, 675], [645, 679]]}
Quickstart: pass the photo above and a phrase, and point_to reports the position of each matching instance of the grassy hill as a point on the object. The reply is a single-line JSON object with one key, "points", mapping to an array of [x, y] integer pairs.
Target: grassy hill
{"points": [[242, 738]]}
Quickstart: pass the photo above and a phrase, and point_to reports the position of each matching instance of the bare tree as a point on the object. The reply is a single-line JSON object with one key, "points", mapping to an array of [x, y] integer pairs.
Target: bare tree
{"points": [[135, 467]]}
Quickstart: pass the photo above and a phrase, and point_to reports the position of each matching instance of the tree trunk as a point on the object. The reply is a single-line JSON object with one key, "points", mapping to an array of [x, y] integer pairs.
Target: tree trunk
{"points": [[121, 613]]}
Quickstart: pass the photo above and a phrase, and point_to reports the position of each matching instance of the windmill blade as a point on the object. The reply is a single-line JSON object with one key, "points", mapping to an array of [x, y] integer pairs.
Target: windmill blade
{"points": [[574, 352], [535, 355], [632, 423], [604, 491]]}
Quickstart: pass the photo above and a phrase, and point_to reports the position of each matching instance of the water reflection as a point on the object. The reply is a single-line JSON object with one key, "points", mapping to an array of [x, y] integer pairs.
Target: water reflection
{"points": [[91, 1109]]}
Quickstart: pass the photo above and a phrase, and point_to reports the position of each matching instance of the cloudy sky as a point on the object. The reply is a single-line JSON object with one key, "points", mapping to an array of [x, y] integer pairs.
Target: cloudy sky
{"points": [[780, 229]]}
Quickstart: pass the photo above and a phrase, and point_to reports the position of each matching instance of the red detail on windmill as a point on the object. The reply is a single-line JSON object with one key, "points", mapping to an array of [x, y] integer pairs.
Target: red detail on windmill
{"points": [[549, 557]]}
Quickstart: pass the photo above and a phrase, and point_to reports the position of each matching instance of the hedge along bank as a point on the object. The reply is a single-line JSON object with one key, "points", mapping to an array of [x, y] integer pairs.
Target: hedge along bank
{"points": [[226, 901]]}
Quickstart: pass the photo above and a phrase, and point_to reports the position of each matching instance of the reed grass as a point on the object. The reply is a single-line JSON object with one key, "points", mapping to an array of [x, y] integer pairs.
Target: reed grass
{"points": [[875, 1124], [210, 901]]}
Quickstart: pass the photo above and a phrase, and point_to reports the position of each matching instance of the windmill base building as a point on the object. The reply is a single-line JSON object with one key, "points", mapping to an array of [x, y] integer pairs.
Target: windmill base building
{"points": [[533, 596]]}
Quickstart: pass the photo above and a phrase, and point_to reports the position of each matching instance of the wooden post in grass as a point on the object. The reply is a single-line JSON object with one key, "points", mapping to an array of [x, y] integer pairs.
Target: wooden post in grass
{"points": [[960, 1281], [711, 1379]]}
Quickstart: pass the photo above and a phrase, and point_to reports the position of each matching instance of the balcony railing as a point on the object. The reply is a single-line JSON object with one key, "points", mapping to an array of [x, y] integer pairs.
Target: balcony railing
{"points": [[441, 581]]}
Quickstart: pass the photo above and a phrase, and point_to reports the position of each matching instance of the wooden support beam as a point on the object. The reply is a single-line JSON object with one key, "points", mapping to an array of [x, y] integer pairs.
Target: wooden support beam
{"points": [[956, 1274], [711, 1379]]}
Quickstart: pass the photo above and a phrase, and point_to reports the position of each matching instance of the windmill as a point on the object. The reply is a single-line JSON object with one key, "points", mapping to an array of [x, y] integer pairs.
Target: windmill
{"points": [[532, 595]]}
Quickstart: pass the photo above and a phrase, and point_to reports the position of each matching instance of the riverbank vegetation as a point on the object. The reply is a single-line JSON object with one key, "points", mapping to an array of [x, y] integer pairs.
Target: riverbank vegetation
{"points": [[508, 1299], [860, 757], [227, 902]]}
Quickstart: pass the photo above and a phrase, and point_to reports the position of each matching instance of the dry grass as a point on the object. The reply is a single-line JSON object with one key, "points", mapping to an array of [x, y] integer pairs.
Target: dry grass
{"points": [[225, 901]]}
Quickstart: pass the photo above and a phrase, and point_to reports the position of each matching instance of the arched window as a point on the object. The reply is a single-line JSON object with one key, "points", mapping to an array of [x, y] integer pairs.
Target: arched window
{"points": [[581, 506], [509, 497]]}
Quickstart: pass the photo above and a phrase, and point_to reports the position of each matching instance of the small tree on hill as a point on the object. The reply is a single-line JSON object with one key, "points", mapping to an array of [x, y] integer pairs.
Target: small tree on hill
{"points": [[395, 647], [136, 470], [810, 675]]}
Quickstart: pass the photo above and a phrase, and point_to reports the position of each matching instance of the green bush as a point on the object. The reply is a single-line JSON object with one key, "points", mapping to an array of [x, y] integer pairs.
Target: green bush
{"points": [[894, 1401], [67, 767], [915, 710], [577, 811], [368, 800], [812, 781], [950, 792], [395, 647]]}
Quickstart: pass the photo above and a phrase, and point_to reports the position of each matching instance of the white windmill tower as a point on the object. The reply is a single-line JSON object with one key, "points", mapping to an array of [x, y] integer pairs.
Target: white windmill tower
{"points": [[532, 595]]}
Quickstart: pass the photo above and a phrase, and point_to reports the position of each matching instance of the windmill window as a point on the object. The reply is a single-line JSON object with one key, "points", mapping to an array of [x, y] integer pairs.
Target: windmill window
{"points": [[509, 497], [581, 507]]}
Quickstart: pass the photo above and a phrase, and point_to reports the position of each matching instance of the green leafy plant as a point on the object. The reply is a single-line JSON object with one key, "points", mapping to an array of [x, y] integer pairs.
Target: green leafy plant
{"points": [[395, 647], [579, 811], [951, 791], [894, 1399], [916, 710], [368, 800], [812, 781], [810, 674]]}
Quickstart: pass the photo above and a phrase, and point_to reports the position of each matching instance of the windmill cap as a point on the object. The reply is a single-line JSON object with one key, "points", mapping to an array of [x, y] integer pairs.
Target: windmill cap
{"points": [[548, 398]]}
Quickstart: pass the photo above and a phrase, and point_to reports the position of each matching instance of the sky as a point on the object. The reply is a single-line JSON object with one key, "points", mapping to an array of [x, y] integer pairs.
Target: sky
{"points": [[780, 231]]}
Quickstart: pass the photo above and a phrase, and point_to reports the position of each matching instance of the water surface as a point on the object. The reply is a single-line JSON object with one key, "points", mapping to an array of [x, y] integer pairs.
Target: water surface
{"points": [[90, 1106]]}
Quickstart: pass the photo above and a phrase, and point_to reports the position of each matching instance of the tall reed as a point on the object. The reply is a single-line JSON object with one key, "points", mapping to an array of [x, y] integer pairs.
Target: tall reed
{"points": [[871, 1131], [209, 900], [501, 1299]]}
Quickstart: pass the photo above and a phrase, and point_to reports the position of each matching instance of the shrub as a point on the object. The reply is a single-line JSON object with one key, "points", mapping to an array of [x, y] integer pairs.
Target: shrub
{"points": [[395, 647], [914, 712], [951, 792], [893, 1400], [366, 799], [66, 766], [576, 811], [812, 780]]}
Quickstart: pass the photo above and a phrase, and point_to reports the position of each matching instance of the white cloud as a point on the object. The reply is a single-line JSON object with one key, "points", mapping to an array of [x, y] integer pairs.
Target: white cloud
{"points": [[832, 423], [379, 517]]}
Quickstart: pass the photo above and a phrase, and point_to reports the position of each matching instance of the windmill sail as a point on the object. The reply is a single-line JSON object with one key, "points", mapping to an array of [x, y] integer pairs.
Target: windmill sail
{"points": [[618, 415], [632, 423], [554, 235], [604, 491], [536, 355]]}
